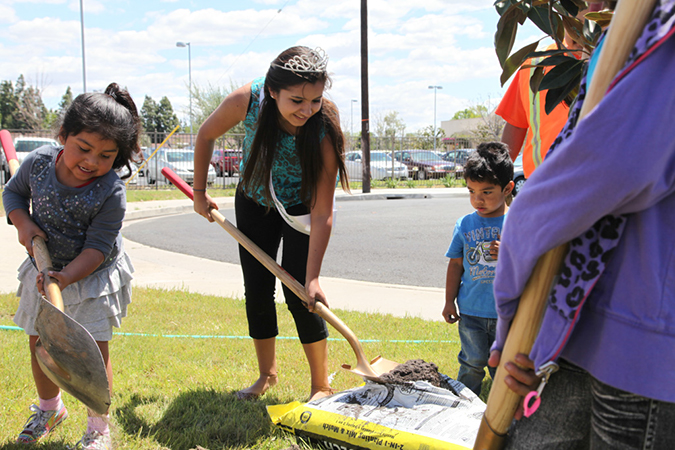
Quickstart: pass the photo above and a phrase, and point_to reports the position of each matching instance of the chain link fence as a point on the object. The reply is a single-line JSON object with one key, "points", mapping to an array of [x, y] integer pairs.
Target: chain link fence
{"points": [[160, 150]]}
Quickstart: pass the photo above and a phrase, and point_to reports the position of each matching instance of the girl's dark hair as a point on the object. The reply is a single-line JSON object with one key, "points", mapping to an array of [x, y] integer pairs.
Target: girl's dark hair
{"points": [[490, 163], [259, 163], [112, 115]]}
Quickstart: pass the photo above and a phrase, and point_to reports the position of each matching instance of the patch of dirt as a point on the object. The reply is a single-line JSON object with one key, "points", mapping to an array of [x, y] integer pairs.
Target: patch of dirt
{"points": [[414, 370]]}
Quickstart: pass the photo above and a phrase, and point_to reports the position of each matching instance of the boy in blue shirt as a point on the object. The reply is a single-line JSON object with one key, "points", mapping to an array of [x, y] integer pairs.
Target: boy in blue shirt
{"points": [[473, 259]]}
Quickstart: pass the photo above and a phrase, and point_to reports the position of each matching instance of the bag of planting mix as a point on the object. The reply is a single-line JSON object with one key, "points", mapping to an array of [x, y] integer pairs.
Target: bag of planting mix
{"points": [[409, 415]]}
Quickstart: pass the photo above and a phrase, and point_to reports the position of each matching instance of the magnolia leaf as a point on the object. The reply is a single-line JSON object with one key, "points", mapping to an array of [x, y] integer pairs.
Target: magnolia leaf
{"points": [[505, 35], [571, 7], [535, 79], [593, 28], [562, 74], [539, 16], [514, 61], [542, 54], [574, 28], [554, 60], [503, 6], [557, 95]]}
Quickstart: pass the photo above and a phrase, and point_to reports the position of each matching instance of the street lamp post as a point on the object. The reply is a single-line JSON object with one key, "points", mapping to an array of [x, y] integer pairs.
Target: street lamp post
{"points": [[84, 66], [351, 121], [187, 44], [435, 88]]}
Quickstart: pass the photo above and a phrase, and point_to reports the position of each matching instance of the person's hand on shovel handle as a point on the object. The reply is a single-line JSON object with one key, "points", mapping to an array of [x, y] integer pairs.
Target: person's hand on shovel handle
{"points": [[314, 294], [521, 377], [203, 204], [26, 229]]}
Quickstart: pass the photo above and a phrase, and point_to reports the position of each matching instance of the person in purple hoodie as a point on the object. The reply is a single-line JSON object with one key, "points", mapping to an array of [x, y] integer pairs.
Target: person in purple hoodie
{"points": [[607, 342]]}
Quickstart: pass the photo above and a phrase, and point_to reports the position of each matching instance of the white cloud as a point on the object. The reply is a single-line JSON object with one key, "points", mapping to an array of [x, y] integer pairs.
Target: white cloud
{"points": [[441, 42]]}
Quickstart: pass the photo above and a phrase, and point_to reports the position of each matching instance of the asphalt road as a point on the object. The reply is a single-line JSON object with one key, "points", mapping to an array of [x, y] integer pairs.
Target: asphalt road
{"points": [[398, 241]]}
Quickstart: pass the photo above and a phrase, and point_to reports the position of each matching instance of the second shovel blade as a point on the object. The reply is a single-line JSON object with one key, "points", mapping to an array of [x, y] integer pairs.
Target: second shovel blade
{"points": [[379, 365]]}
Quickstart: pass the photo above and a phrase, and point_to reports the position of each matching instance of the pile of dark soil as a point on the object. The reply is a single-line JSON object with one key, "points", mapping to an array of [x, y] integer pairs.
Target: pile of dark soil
{"points": [[414, 370]]}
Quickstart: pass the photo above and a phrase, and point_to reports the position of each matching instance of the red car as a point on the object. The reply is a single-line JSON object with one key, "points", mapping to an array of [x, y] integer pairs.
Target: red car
{"points": [[226, 162]]}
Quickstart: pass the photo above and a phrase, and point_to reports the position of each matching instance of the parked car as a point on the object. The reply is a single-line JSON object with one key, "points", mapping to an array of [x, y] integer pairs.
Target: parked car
{"points": [[380, 166], [25, 145], [181, 161], [226, 162], [424, 164], [518, 175], [458, 157]]}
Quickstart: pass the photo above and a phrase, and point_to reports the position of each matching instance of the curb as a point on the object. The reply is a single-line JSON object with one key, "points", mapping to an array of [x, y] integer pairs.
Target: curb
{"points": [[171, 207]]}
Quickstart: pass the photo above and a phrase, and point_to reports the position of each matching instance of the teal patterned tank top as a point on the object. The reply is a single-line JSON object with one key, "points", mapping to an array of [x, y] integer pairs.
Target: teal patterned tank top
{"points": [[286, 168]]}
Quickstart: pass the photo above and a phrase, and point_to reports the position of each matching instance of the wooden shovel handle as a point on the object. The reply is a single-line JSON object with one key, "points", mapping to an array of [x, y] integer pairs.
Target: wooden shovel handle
{"points": [[271, 265], [629, 19], [44, 264]]}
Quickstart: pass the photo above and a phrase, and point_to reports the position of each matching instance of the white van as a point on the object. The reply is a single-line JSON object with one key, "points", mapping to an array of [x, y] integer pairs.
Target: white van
{"points": [[25, 145]]}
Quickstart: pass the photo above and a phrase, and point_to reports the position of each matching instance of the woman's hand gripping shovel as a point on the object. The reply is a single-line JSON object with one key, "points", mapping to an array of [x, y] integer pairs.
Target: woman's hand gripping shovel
{"points": [[65, 351], [372, 370]]}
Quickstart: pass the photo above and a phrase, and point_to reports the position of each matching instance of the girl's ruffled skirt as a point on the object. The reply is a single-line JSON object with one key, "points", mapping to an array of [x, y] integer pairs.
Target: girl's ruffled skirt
{"points": [[98, 302]]}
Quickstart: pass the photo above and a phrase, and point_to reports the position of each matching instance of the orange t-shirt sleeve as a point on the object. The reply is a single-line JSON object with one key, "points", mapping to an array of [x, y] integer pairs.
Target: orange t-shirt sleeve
{"points": [[511, 107]]}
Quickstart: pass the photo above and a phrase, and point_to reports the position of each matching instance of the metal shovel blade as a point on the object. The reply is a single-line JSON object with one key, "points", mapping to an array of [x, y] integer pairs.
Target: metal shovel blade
{"points": [[378, 366], [70, 357]]}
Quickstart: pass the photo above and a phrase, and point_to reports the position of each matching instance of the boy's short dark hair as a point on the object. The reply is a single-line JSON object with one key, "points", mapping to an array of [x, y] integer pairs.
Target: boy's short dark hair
{"points": [[490, 163]]}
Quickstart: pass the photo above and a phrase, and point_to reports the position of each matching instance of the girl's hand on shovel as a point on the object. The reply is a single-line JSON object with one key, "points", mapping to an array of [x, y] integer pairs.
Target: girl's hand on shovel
{"points": [[26, 229], [203, 204], [520, 380], [60, 278], [315, 294]]}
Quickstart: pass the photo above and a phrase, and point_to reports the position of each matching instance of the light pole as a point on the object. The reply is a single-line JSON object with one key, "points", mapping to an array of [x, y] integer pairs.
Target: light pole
{"points": [[84, 70], [187, 44], [351, 121], [435, 88]]}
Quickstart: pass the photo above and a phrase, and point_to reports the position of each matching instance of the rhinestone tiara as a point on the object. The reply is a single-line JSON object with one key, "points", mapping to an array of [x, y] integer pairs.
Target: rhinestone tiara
{"points": [[315, 61]]}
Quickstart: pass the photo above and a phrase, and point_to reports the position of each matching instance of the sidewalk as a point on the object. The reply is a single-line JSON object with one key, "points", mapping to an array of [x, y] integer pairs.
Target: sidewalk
{"points": [[167, 270]]}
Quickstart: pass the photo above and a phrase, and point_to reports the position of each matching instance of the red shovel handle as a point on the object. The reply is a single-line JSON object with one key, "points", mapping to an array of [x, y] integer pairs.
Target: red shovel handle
{"points": [[178, 182], [10, 152]]}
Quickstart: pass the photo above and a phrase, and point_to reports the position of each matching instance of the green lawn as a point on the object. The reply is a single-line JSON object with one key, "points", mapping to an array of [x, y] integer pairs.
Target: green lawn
{"points": [[177, 392]]}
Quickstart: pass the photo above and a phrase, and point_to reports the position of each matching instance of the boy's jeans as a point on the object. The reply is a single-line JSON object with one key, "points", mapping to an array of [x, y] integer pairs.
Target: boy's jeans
{"points": [[476, 335], [579, 412]]}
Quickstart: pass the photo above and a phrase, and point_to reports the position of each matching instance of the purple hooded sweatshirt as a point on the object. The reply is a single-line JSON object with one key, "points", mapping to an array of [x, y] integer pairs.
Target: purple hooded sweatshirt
{"points": [[618, 161]]}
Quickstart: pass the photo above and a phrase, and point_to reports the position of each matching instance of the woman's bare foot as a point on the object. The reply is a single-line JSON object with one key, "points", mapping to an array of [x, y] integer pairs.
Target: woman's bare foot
{"points": [[320, 392], [258, 388]]}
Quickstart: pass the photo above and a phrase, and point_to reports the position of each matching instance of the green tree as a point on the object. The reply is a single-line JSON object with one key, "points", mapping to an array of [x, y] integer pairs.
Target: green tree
{"points": [[8, 104], [66, 100], [148, 115], [166, 118], [471, 113], [426, 138], [387, 128], [158, 119], [30, 113], [205, 100]]}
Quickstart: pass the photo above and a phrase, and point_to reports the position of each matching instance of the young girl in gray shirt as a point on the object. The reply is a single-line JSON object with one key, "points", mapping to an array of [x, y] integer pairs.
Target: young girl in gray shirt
{"points": [[72, 197]]}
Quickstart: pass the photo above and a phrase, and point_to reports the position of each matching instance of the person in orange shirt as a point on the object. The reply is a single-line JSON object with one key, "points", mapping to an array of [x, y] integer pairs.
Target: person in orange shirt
{"points": [[527, 121]]}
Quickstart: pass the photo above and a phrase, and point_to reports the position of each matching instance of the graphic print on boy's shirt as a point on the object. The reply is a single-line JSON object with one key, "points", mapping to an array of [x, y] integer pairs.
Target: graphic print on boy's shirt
{"points": [[482, 265]]}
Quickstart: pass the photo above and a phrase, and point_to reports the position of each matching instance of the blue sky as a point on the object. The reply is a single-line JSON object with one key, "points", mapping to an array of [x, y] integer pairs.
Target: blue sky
{"points": [[448, 43]]}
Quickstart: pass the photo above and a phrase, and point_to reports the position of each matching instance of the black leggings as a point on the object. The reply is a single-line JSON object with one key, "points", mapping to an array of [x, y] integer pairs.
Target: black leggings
{"points": [[266, 229]]}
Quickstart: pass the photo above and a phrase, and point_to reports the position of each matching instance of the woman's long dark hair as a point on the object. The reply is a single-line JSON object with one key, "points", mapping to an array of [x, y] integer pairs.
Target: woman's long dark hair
{"points": [[259, 163]]}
